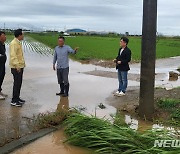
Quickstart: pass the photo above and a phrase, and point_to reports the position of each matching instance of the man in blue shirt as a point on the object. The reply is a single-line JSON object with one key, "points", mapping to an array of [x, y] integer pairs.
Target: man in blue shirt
{"points": [[62, 60]]}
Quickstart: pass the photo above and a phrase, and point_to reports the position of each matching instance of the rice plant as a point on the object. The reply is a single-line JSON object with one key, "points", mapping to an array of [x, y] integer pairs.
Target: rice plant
{"points": [[103, 137], [106, 48], [168, 103]]}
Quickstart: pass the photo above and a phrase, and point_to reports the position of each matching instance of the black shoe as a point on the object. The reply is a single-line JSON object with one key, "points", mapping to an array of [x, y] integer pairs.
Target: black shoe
{"points": [[13, 103], [21, 100], [17, 104]]}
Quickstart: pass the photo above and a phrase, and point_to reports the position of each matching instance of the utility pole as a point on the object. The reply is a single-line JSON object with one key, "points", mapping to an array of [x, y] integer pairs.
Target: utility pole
{"points": [[148, 57]]}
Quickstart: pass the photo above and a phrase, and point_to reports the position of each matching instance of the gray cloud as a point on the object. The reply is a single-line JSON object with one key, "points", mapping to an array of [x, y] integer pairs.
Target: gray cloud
{"points": [[109, 15]]}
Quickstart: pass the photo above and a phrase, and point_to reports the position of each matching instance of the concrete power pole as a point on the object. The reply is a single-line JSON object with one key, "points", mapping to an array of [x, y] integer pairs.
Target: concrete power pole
{"points": [[148, 56]]}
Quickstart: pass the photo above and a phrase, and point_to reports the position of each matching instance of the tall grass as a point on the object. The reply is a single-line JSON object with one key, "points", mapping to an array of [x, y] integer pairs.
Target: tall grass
{"points": [[103, 137], [106, 48]]}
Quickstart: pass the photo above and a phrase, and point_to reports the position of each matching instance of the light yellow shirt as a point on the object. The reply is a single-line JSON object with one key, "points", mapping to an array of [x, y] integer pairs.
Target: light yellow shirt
{"points": [[16, 54]]}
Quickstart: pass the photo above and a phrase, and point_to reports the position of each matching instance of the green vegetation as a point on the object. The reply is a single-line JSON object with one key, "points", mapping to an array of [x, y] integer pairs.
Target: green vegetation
{"points": [[96, 47], [103, 137], [172, 106], [9, 37], [168, 104]]}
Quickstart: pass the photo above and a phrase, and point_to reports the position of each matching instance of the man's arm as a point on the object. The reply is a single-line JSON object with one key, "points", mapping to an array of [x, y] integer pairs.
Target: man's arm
{"points": [[54, 60], [70, 50], [116, 59], [1, 51]]}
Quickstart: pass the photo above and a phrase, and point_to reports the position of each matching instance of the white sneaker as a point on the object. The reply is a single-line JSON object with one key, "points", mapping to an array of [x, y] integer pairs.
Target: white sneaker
{"points": [[122, 94], [116, 93], [2, 97]]}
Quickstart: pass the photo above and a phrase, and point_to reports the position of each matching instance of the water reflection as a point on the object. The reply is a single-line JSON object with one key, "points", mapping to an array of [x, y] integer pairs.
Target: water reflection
{"points": [[63, 104]]}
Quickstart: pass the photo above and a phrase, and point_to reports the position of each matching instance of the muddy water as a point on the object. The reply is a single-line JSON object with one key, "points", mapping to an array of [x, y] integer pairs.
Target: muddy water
{"points": [[163, 67], [52, 143]]}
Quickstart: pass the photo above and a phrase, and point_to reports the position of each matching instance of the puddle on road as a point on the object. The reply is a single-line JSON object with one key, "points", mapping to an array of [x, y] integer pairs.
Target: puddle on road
{"points": [[52, 143]]}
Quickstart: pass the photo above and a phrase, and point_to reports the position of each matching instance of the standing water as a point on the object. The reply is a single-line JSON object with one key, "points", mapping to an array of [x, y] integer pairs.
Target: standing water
{"points": [[52, 143]]}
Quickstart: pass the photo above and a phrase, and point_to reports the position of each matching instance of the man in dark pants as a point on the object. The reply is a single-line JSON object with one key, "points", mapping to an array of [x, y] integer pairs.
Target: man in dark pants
{"points": [[122, 65], [3, 59], [17, 65], [61, 57]]}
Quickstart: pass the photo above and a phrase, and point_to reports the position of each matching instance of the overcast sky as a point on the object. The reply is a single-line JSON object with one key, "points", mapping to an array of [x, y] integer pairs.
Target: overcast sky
{"points": [[99, 15]]}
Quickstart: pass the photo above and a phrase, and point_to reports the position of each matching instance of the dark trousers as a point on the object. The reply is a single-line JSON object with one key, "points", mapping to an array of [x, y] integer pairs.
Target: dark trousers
{"points": [[18, 77], [2, 74], [62, 76]]}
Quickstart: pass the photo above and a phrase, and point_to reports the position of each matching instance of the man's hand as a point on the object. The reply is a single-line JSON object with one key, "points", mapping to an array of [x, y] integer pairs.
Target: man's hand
{"points": [[76, 49], [18, 70], [54, 68], [115, 60], [119, 62]]}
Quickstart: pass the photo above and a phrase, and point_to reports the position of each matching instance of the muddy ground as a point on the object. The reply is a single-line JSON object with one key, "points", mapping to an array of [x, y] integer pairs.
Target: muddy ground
{"points": [[129, 103]]}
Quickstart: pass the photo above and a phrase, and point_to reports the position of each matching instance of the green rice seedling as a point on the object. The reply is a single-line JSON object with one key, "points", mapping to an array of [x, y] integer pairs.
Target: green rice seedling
{"points": [[168, 103], [104, 137], [106, 48]]}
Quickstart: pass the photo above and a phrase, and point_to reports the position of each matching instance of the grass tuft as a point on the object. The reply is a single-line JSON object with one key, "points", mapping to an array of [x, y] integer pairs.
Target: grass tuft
{"points": [[168, 103]]}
